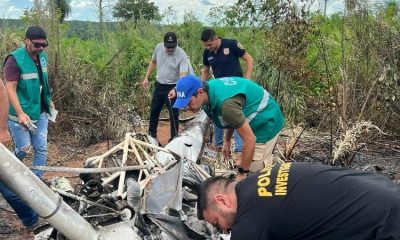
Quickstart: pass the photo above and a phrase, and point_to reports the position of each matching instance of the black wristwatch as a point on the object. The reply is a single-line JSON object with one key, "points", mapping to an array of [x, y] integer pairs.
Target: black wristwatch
{"points": [[242, 171]]}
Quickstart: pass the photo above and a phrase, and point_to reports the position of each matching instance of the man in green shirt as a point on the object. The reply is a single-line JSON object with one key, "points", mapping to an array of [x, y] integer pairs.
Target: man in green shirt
{"points": [[234, 103]]}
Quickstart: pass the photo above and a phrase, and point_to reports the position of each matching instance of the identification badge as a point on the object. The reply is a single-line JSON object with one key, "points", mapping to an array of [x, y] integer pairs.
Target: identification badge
{"points": [[226, 51]]}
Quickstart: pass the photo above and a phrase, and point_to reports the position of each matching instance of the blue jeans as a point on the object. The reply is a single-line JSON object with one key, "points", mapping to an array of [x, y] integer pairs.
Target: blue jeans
{"points": [[24, 212], [219, 138], [24, 141]]}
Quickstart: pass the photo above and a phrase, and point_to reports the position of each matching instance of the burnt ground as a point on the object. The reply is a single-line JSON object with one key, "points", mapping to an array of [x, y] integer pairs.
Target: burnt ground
{"points": [[380, 154]]}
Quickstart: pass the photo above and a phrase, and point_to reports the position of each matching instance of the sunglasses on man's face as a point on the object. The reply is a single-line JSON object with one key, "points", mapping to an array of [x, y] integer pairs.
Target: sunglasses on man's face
{"points": [[38, 45]]}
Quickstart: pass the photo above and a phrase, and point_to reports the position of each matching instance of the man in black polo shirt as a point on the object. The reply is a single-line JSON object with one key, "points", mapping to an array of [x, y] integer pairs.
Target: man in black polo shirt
{"points": [[303, 201], [223, 56]]}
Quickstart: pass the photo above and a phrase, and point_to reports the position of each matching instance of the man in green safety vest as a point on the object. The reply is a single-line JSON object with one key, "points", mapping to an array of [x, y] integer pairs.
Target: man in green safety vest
{"points": [[235, 103], [25, 73]]}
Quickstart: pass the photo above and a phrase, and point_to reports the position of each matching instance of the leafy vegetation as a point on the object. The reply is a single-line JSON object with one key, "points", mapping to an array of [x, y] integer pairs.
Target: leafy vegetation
{"points": [[326, 71], [134, 10]]}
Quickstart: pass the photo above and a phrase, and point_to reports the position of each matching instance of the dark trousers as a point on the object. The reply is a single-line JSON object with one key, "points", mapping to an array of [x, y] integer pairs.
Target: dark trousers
{"points": [[160, 97]]}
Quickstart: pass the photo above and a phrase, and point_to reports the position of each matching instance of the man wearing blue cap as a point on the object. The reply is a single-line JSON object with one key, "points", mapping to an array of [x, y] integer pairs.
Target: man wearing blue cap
{"points": [[235, 103]]}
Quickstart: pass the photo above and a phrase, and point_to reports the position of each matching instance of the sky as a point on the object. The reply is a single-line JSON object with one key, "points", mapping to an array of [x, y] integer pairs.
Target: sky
{"points": [[85, 10]]}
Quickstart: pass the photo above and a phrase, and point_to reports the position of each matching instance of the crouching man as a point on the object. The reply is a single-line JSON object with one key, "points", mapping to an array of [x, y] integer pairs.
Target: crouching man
{"points": [[303, 201]]}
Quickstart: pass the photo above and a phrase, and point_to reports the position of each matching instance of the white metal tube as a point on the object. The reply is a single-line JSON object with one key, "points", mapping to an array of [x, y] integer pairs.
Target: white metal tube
{"points": [[19, 179]]}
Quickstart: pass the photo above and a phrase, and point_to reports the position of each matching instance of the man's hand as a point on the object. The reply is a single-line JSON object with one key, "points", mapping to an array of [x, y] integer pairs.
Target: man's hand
{"points": [[238, 159], [23, 119], [145, 83], [5, 136], [241, 176], [226, 149], [52, 105], [172, 93]]}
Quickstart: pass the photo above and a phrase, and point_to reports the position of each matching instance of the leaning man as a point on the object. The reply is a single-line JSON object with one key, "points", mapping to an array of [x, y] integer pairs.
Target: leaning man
{"points": [[235, 103], [303, 201]]}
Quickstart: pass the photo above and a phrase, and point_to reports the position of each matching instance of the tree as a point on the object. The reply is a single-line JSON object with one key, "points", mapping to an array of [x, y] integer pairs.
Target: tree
{"points": [[257, 13], [100, 4], [63, 8], [169, 15], [135, 10]]}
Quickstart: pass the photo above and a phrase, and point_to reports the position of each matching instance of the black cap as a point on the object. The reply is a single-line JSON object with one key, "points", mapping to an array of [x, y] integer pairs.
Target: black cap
{"points": [[170, 40], [35, 32]]}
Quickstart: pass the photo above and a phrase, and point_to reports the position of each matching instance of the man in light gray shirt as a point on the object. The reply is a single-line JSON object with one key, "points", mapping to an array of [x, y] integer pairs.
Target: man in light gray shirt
{"points": [[172, 63]]}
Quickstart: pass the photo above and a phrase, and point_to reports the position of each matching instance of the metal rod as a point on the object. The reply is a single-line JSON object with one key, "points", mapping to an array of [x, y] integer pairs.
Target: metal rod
{"points": [[172, 119], [135, 151], [73, 196], [124, 159], [89, 170], [150, 145]]}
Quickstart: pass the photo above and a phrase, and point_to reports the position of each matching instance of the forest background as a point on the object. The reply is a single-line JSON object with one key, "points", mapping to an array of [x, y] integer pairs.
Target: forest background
{"points": [[327, 72]]}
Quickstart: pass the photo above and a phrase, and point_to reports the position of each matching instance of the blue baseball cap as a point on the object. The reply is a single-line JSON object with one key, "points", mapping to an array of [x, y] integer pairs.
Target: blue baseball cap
{"points": [[186, 87]]}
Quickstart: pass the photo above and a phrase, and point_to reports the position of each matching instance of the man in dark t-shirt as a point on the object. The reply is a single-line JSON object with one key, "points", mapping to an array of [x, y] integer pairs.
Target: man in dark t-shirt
{"points": [[223, 56], [303, 201]]}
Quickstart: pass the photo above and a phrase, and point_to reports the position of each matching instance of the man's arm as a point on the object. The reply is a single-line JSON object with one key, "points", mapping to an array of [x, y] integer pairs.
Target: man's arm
{"points": [[11, 76], [226, 145], [11, 87], [249, 143], [4, 134], [249, 65], [205, 73], [182, 74], [184, 66], [150, 68], [232, 113]]}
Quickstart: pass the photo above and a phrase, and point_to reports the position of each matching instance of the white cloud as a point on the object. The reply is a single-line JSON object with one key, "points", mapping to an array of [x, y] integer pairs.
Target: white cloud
{"points": [[82, 4], [200, 8], [13, 12], [4, 3]]}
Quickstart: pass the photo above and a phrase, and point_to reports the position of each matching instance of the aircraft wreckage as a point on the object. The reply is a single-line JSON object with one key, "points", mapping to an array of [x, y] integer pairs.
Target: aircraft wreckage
{"points": [[136, 190]]}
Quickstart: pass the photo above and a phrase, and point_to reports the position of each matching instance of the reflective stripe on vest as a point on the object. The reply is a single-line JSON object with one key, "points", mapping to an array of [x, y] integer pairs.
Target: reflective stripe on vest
{"points": [[263, 104], [28, 76]]}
